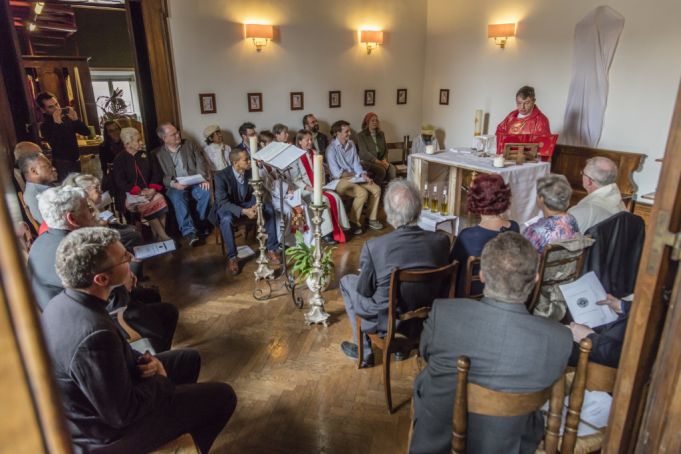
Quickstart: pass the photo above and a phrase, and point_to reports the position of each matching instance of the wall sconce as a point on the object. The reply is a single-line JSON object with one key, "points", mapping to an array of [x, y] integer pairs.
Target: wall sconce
{"points": [[38, 7], [500, 33], [260, 34], [372, 39]]}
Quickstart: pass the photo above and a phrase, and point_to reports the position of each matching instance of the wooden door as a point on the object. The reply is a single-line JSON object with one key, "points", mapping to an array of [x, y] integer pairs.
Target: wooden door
{"points": [[646, 411]]}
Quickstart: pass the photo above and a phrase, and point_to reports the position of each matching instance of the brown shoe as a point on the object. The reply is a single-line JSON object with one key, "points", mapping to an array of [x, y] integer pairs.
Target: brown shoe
{"points": [[274, 257], [233, 266]]}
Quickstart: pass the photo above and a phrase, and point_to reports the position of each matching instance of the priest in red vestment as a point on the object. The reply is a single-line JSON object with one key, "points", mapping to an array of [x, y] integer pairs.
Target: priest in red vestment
{"points": [[526, 120]]}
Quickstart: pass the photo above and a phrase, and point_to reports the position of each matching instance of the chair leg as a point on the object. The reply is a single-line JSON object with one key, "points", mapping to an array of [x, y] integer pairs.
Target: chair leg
{"points": [[360, 344], [386, 378]]}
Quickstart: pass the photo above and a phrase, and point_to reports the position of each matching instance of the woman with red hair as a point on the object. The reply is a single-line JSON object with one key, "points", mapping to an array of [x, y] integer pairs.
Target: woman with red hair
{"points": [[489, 197], [373, 150]]}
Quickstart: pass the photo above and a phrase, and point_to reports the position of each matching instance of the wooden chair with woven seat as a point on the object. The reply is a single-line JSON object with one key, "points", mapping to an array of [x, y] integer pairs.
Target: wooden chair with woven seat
{"points": [[472, 277], [588, 376], [557, 265], [484, 401], [403, 147], [184, 444], [436, 283]]}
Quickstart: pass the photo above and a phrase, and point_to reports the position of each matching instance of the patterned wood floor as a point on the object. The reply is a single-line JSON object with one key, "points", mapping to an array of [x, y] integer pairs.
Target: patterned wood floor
{"points": [[298, 393]]}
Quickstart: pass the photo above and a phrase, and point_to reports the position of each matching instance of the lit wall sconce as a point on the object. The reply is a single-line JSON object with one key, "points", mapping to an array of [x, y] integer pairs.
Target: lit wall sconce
{"points": [[372, 39], [38, 7], [500, 33], [260, 34]]}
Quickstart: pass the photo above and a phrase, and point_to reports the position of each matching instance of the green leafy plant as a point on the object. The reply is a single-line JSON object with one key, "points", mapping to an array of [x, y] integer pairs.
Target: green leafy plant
{"points": [[113, 107], [300, 259]]}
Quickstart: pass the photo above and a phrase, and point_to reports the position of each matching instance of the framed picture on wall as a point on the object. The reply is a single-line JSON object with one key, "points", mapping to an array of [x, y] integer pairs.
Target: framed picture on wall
{"points": [[297, 100], [207, 103], [369, 97], [401, 96], [334, 98], [444, 96], [255, 102]]}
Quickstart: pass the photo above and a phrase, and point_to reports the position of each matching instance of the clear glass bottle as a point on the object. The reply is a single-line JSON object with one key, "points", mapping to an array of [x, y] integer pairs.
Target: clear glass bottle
{"points": [[433, 200], [444, 203], [426, 203]]}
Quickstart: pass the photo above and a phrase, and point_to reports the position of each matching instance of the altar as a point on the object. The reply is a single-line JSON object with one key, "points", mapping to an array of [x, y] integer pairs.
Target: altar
{"points": [[463, 166]]}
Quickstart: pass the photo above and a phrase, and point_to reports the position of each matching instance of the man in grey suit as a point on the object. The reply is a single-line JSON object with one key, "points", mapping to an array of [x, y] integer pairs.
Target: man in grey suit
{"points": [[407, 247], [183, 158], [510, 350]]}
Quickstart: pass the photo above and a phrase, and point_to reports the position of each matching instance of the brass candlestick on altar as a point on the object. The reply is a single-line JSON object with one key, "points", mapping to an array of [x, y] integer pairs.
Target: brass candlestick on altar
{"points": [[263, 271], [315, 280]]}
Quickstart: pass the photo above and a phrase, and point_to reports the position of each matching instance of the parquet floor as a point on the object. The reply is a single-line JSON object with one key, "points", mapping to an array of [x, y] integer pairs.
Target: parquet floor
{"points": [[297, 392]]}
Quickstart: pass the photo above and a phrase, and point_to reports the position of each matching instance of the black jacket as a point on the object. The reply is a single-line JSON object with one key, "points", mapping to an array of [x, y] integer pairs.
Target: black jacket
{"points": [[126, 177], [607, 341], [616, 254], [62, 138], [227, 198], [95, 370]]}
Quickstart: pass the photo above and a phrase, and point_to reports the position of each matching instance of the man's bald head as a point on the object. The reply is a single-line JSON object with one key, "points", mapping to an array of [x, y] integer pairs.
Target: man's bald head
{"points": [[25, 148]]}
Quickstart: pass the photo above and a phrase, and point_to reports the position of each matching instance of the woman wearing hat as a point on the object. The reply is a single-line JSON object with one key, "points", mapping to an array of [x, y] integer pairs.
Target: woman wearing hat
{"points": [[216, 151], [373, 151]]}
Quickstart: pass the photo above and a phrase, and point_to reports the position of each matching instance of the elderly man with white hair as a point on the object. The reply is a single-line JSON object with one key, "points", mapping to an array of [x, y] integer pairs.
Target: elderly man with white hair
{"points": [[407, 247], [63, 209], [603, 199]]}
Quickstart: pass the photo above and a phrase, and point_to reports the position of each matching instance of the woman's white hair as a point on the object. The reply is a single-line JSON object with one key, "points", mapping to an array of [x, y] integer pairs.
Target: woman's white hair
{"points": [[81, 180], [128, 135], [55, 203], [402, 203]]}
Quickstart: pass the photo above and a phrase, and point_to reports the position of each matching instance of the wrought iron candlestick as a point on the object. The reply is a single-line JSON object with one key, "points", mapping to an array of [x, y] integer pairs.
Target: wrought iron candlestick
{"points": [[317, 314], [263, 271]]}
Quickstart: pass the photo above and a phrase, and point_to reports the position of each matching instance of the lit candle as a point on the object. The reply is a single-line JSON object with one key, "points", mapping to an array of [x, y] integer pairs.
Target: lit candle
{"points": [[318, 178]]}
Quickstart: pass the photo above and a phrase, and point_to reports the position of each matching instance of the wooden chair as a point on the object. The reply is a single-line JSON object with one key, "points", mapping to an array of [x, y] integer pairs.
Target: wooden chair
{"points": [[184, 444], [484, 401], [521, 152], [27, 213], [471, 278], [436, 283], [404, 147], [592, 377], [554, 262]]}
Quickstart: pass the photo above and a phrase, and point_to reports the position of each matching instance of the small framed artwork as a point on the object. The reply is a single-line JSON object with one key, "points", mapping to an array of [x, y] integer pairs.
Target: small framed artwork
{"points": [[255, 102], [401, 96], [297, 100], [207, 103], [369, 97], [444, 96], [334, 99]]}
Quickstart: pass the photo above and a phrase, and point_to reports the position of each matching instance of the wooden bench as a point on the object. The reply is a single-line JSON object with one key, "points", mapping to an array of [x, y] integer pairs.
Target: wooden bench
{"points": [[570, 161]]}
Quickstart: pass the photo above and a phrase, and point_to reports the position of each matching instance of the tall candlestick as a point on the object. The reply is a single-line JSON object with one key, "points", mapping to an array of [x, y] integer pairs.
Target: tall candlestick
{"points": [[318, 179], [255, 171]]}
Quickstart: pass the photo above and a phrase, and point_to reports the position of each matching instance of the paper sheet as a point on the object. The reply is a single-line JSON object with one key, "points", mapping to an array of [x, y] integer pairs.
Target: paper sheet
{"points": [[358, 180], [151, 250], [106, 216], [279, 154], [106, 200], [594, 414], [131, 199], [581, 297], [331, 185], [243, 252], [191, 180], [434, 221]]}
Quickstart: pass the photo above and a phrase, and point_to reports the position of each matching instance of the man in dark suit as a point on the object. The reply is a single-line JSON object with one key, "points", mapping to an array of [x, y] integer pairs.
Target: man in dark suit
{"points": [[509, 349], [407, 247], [606, 340], [234, 200], [183, 158], [117, 399], [319, 140]]}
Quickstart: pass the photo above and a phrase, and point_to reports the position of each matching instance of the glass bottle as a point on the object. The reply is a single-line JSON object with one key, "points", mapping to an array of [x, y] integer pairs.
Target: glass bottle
{"points": [[426, 203], [433, 200], [443, 203]]}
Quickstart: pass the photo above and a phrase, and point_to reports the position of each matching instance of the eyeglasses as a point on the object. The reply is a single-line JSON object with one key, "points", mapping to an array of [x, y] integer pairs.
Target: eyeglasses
{"points": [[127, 258], [582, 173]]}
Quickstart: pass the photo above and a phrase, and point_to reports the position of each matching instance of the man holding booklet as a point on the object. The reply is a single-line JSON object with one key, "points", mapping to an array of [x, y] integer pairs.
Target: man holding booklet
{"points": [[185, 176], [350, 179]]}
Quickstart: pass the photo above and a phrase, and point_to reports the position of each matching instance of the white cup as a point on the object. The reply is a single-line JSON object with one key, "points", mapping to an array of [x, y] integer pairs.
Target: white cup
{"points": [[430, 149], [498, 161]]}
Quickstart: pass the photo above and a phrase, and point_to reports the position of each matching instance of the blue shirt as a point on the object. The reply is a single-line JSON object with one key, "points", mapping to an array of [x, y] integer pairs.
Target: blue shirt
{"points": [[343, 159]]}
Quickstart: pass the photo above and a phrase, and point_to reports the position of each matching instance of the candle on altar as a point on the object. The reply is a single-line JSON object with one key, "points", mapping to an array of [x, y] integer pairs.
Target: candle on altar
{"points": [[318, 179]]}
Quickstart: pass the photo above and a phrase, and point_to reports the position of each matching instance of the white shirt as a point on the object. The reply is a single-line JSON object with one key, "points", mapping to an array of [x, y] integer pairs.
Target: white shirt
{"points": [[217, 155]]}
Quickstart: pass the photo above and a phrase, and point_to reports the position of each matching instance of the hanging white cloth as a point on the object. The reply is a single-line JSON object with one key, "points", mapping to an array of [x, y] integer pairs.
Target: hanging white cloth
{"points": [[596, 39]]}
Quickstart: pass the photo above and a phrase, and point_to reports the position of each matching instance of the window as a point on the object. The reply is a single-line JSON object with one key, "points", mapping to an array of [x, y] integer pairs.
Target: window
{"points": [[105, 82]]}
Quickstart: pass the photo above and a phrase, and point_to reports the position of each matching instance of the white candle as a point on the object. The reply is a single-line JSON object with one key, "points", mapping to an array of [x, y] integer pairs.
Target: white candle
{"points": [[318, 178], [430, 149], [253, 145], [255, 172]]}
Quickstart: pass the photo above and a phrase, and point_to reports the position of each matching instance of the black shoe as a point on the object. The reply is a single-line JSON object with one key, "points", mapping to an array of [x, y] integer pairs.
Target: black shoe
{"points": [[350, 351], [401, 356], [328, 239], [192, 240], [206, 231]]}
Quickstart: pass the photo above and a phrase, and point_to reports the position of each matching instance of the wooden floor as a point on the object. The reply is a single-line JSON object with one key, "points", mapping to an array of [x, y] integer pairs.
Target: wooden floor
{"points": [[297, 392]]}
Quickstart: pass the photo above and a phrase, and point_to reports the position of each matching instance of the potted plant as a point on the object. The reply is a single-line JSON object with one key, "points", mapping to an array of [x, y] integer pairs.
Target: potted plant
{"points": [[300, 259], [113, 107]]}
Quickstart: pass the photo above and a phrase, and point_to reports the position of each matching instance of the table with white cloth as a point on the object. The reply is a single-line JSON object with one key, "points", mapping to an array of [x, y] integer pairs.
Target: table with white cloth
{"points": [[464, 165]]}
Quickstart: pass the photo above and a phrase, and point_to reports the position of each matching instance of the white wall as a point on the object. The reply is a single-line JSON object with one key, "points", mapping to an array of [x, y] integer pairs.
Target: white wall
{"points": [[316, 50], [644, 76]]}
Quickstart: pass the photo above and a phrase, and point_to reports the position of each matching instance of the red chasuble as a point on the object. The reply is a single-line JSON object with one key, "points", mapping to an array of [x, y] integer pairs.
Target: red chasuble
{"points": [[533, 128]]}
